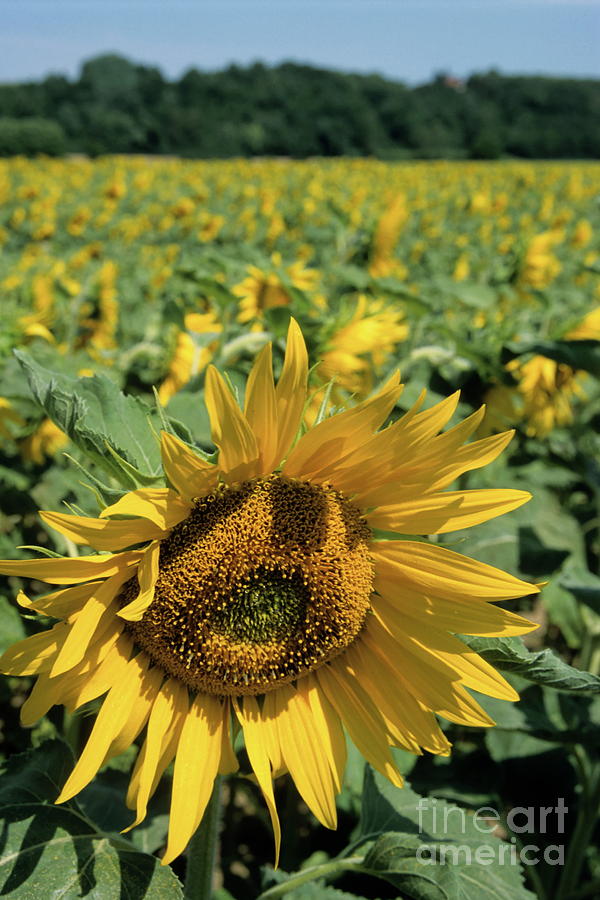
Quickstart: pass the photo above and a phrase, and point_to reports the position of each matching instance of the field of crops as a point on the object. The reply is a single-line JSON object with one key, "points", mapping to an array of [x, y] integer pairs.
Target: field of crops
{"points": [[131, 275]]}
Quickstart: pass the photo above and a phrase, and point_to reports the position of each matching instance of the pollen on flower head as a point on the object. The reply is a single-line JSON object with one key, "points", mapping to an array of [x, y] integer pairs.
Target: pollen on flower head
{"points": [[263, 582]]}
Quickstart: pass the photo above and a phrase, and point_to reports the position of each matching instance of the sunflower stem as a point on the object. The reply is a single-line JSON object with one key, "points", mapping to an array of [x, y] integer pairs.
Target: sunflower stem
{"points": [[202, 850]]}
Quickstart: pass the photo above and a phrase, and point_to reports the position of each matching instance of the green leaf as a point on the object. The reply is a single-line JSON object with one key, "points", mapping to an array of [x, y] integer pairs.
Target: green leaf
{"points": [[431, 850], [546, 715], [102, 421], [11, 625], [543, 667], [563, 611], [55, 851], [393, 858], [584, 585], [316, 890], [103, 801], [476, 296]]}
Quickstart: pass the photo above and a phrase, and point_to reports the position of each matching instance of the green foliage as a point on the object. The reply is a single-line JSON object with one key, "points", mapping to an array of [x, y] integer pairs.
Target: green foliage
{"points": [[115, 431], [427, 850], [543, 667], [55, 850], [117, 106], [31, 136]]}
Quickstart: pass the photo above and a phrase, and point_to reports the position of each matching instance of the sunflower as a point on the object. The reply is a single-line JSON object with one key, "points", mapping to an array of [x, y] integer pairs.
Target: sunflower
{"points": [[264, 289], [252, 594], [363, 344]]}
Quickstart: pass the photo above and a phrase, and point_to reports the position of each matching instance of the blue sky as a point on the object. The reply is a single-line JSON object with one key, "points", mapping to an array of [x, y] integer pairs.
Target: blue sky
{"points": [[404, 39]]}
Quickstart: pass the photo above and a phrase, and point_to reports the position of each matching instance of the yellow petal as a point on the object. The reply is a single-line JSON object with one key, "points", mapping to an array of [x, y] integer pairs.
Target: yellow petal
{"points": [[162, 506], [112, 717], [435, 684], [450, 511], [271, 735], [103, 534], [424, 425], [228, 762], [190, 475], [147, 575], [464, 615], [416, 459], [45, 694], [170, 702], [291, 390], [322, 449], [238, 451], [261, 410], [369, 463], [86, 623], [423, 641], [444, 573], [249, 715], [196, 766], [328, 726], [149, 687], [413, 725], [301, 749], [164, 729], [34, 654], [60, 604], [361, 718], [96, 681], [67, 570], [471, 456]]}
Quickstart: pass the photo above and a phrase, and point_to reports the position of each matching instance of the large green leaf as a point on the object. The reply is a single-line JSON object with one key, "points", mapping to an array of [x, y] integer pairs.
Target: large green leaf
{"points": [[56, 851], [542, 667], [547, 715], [412, 831], [113, 429]]}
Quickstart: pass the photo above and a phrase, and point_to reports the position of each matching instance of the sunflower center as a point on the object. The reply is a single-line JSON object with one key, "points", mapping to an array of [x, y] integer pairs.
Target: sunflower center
{"points": [[270, 607], [262, 583]]}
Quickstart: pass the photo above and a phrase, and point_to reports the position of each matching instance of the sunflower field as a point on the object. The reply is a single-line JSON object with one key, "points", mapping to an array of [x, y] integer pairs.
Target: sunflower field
{"points": [[276, 620]]}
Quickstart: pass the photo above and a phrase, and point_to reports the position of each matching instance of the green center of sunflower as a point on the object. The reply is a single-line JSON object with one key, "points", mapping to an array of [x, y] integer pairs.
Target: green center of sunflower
{"points": [[263, 582], [268, 608]]}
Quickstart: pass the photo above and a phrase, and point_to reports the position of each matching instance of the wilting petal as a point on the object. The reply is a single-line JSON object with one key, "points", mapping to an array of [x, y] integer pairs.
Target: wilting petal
{"points": [[248, 713], [190, 475], [362, 720], [170, 704], [69, 570], [113, 716], [147, 576], [103, 534], [162, 506], [85, 624]]}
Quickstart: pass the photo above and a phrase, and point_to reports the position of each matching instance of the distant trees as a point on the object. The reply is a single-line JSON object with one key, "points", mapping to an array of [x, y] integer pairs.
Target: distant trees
{"points": [[117, 106], [29, 136]]}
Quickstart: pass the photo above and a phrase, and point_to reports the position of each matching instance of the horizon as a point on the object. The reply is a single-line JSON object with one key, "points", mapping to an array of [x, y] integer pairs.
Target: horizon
{"points": [[400, 40], [299, 62]]}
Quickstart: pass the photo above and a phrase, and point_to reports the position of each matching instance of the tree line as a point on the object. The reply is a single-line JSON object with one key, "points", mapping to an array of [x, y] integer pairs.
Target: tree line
{"points": [[117, 106]]}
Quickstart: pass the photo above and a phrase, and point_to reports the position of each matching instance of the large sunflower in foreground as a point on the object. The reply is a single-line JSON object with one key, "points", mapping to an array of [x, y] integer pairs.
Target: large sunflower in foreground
{"points": [[257, 597]]}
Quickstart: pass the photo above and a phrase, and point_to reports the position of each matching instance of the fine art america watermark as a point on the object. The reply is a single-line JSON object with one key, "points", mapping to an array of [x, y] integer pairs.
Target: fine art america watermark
{"points": [[520, 820]]}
